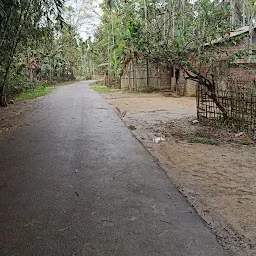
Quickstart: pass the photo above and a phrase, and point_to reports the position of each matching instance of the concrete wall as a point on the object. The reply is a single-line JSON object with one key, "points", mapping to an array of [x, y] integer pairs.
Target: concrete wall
{"points": [[190, 88], [184, 87]]}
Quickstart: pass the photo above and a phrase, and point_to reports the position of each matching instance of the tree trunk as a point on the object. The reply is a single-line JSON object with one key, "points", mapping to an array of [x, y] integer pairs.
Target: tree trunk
{"points": [[147, 75], [233, 12], [244, 13], [214, 97], [3, 100], [210, 86]]}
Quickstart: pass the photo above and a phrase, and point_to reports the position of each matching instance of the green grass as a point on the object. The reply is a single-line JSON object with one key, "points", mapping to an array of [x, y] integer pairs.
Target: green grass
{"points": [[132, 127], [204, 141], [246, 141], [101, 89], [32, 94], [98, 87], [40, 91]]}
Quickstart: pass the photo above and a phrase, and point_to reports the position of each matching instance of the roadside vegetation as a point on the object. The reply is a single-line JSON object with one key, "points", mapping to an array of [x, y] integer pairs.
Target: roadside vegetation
{"points": [[177, 33], [34, 93], [40, 44], [101, 88]]}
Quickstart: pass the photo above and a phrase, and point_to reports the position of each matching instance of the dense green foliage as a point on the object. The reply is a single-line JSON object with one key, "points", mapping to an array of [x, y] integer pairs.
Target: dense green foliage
{"points": [[40, 42], [98, 87], [38, 46], [176, 32], [192, 36]]}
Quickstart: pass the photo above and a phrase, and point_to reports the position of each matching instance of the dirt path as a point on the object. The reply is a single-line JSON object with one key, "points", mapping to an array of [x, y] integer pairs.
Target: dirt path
{"points": [[218, 180], [13, 117]]}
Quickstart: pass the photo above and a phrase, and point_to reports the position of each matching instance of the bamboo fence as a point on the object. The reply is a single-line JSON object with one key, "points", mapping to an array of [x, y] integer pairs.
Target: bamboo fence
{"points": [[239, 102]]}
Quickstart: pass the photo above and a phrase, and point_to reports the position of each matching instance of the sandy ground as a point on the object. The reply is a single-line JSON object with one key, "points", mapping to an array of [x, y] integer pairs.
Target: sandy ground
{"points": [[13, 116], [218, 180]]}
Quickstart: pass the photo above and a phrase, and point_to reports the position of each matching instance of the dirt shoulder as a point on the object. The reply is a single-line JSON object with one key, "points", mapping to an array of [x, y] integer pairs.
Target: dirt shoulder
{"points": [[13, 117], [217, 175]]}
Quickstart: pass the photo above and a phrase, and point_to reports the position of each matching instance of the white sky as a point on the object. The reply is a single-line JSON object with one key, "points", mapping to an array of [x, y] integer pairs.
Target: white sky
{"points": [[86, 16]]}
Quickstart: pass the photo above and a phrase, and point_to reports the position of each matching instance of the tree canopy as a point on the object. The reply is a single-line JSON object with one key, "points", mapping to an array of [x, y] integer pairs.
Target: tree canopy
{"points": [[40, 43], [42, 40], [171, 30]]}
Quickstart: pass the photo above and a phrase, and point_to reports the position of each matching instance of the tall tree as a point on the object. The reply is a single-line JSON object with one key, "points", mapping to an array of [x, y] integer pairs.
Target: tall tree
{"points": [[21, 23]]}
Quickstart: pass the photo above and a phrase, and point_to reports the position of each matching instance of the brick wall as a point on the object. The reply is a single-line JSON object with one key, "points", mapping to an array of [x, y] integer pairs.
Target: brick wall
{"points": [[247, 73]]}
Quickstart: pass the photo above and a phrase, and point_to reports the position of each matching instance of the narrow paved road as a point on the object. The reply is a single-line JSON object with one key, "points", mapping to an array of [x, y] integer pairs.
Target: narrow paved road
{"points": [[76, 182]]}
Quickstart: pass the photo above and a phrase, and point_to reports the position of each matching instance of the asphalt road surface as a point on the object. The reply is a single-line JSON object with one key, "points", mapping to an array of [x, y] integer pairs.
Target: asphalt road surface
{"points": [[76, 182]]}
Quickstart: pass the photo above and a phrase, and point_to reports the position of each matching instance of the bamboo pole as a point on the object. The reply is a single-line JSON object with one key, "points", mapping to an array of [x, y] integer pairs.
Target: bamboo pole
{"points": [[146, 27], [243, 13], [233, 12]]}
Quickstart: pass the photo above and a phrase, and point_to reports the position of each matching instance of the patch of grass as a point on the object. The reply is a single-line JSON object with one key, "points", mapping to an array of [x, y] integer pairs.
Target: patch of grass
{"points": [[32, 94], [101, 89], [98, 87], [246, 141], [132, 127], [204, 141]]}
